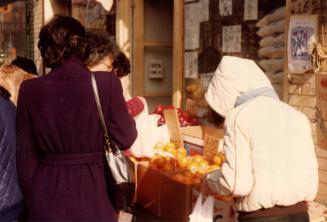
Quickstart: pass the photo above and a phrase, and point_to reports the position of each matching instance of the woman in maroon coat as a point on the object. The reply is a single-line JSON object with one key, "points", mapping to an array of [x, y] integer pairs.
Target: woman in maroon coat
{"points": [[60, 141]]}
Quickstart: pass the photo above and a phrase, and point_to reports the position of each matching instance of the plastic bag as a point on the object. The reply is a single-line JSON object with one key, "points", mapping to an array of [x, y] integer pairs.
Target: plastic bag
{"points": [[148, 134], [202, 212]]}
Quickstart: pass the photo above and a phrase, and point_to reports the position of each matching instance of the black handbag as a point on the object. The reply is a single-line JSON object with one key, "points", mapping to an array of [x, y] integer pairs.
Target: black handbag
{"points": [[119, 175]]}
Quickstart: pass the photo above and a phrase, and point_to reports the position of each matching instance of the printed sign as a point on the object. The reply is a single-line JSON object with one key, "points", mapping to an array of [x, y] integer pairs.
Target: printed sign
{"points": [[225, 7], [191, 65], [321, 126], [250, 10], [301, 36], [232, 38]]}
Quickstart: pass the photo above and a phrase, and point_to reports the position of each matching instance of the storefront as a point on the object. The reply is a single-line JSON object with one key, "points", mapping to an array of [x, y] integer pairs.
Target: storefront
{"points": [[12, 28]]}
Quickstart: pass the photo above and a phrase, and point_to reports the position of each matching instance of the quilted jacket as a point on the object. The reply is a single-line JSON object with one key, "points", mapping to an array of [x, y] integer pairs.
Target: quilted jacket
{"points": [[270, 157], [11, 201]]}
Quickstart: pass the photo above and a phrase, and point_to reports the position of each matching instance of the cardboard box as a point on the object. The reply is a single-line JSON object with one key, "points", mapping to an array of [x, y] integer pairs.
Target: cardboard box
{"points": [[148, 188], [162, 196], [202, 139]]}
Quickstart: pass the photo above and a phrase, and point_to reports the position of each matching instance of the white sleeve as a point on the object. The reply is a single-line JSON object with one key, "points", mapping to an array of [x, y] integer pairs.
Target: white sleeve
{"points": [[235, 177]]}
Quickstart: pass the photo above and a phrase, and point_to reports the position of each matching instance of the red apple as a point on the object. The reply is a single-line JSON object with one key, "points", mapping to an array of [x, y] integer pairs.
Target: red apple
{"points": [[184, 123], [193, 120], [161, 121], [159, 109], [185, 115]]}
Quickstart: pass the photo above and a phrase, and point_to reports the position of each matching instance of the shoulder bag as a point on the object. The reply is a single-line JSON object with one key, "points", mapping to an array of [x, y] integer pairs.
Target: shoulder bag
{"points": [[119, 167]]}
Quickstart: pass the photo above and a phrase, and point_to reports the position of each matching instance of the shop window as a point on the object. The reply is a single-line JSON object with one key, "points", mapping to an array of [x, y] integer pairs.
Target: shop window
{"points": [[12, 29], [214, 28]]}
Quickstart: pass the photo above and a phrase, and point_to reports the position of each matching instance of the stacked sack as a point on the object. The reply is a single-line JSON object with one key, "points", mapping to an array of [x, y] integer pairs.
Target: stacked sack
{"points": [[272, 32]]}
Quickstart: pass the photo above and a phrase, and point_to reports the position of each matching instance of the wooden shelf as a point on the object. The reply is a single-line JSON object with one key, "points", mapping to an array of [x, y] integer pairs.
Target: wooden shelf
{"points": [[158, 44]]}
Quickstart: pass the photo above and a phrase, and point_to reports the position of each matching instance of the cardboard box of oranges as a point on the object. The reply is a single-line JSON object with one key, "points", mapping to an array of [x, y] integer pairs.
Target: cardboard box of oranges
{"points": [[165, 184]]}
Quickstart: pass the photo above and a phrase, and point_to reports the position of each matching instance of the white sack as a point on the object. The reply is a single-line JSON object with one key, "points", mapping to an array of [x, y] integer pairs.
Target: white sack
{"points": [[275, 15]]}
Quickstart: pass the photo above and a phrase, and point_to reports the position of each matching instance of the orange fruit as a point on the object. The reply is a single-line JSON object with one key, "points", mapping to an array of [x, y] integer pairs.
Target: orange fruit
{"points": [[222, 157], [181, 151], [193, 167], [184, 161], [188, 174], [159, 146], [178, 177], [169, 146], [170, 149], [159, 161], [203, 164], [178, 155], [212, 168], [167, 167], [217, 160], [197, 158]]}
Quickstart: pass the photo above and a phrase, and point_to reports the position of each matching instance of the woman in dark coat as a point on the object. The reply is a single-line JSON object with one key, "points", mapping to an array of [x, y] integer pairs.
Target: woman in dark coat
{"points": [[60, 141]]}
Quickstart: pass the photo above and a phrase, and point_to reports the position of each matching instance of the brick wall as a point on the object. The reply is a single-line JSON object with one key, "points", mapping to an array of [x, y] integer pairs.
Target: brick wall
{"points": [[302, 93], [34, 23]]}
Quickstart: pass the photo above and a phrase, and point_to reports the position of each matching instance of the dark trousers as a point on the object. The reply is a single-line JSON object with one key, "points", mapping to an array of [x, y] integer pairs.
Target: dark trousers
{"points": [[300, 217]]}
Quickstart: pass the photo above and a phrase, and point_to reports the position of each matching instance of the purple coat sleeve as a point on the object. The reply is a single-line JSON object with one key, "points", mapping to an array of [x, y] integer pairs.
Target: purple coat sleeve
{"points": [[122, 128], [27, 157], [135, 106]]}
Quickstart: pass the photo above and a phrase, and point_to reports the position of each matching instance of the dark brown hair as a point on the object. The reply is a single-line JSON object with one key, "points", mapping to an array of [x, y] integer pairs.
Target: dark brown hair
{"points": [[100, 46], [121, 65], [62, 38]]}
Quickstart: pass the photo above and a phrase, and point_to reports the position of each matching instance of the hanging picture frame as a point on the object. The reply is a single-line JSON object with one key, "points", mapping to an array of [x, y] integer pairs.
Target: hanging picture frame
{"points": [[302, 34]]}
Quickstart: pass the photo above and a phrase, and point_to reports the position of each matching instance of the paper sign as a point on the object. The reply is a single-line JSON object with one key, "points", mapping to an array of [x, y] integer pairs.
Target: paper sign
{"points": [[321, 126], [225, 7], [191, 65], [232, 38], [210, 147], [250, 10], [192, 20], [302, 34]]}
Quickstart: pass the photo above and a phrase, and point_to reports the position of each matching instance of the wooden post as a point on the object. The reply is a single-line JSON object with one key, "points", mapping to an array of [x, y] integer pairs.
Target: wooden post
{"points": [[178, 52]]}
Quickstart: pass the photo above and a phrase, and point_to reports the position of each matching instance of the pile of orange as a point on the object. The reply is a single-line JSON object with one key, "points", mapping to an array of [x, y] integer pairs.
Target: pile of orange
{"points": [[191, 168]]}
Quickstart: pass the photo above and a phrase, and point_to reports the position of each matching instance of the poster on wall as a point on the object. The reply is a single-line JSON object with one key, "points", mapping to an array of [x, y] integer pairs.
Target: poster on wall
{"points": [[191, 65], [302, 34], [225, 7], [250, 10], [192, 26], [195, 13], [321, 126], [232, 38]]}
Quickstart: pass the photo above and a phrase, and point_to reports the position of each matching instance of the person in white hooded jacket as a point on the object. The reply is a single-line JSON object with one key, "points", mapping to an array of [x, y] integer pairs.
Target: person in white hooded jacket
{"points": [[271, 168]]}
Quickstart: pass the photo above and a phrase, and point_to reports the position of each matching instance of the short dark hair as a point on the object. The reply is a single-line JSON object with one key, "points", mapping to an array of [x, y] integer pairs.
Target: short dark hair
{"points": [[121, 65], [100, 46], [25, 64], [61, 38]]}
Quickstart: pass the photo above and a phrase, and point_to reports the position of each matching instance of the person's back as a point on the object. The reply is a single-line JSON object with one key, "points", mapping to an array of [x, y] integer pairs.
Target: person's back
{"points": [[11, 200], [61, 147], [282, 151], [271, 167]]}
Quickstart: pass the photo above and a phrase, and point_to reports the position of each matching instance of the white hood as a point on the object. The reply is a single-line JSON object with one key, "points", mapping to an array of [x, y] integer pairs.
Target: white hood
{"points": [[233, 77]]}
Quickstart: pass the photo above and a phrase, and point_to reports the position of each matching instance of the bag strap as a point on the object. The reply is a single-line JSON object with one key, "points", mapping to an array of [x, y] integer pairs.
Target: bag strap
{"points": [[102, 121]]}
